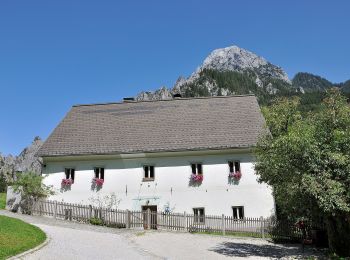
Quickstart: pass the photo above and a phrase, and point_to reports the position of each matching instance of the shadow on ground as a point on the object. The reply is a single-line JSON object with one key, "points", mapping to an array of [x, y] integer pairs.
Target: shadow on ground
{"points": [[249, 250]]}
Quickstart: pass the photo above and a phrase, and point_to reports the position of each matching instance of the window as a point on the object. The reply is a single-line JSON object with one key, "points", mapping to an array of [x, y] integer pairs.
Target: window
{"points": [[235, 166], [196, 168], [238, 212], [99, 173], [69, 172], [148, 173], [199, 215]]}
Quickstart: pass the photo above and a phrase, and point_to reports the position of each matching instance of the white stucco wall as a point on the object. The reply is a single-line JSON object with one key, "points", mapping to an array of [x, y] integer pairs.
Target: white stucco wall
{"points": [[171, 184]]}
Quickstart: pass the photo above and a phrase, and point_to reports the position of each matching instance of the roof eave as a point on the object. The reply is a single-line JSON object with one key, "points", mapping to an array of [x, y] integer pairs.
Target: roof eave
{"points": [[134, 155]]}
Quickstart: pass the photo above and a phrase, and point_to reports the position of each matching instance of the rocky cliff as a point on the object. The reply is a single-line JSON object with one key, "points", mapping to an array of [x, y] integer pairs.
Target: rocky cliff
{"points": [[26, 161]]}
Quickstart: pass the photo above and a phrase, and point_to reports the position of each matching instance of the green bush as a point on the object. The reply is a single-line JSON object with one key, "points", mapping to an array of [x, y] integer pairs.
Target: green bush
{"points": [[32, 188], [116, 225], [96, 221]]}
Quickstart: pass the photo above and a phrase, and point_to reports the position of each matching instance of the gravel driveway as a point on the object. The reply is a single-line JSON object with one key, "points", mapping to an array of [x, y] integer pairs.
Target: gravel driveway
{"points": [[172, 245], [69, 240]]}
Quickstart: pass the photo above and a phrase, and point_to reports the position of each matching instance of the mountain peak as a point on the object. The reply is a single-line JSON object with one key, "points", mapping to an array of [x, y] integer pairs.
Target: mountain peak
{"points": [[245, 65], [234, 58]]}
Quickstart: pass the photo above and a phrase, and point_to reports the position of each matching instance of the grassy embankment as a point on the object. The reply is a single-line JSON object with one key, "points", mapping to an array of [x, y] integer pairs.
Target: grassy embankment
{"points": [[16, 236], [2, 200]]}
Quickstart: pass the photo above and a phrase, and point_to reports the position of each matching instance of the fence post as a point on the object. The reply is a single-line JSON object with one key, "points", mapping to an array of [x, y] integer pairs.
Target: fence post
{"points": [[55, 212], [223, 225], [127, 219], [148, 218], [185, 221], [262, 227]]}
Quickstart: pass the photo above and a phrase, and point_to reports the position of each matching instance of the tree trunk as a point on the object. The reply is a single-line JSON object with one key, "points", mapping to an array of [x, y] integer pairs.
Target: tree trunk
{"points": [[338, 228]]}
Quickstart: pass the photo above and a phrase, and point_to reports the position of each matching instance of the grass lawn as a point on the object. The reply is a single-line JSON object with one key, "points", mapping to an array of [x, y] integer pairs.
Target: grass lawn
{"points": [[2, 200], [17, 236]]}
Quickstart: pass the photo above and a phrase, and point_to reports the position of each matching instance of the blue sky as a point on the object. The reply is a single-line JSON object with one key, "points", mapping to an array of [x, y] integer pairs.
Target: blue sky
{"points": [[54, 54]]}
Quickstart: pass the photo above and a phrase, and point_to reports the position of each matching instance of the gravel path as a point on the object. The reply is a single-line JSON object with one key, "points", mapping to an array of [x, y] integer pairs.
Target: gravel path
{"points": [[196, 246], [67, 243], [70, 240]]}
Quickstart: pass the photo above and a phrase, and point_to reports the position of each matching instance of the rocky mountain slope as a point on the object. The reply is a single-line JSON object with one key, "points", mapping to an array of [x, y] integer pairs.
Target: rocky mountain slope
{"points": [[234, 70], [230, 59], [24, 162], [310, 82]]}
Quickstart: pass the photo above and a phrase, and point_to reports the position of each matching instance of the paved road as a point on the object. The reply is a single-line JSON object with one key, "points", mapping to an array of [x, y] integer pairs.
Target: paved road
{"points": [[80, 241]]}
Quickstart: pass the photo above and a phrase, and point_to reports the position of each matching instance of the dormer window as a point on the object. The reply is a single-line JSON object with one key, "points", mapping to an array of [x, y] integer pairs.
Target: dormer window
{"points": [[99, 173], [148, 173]]}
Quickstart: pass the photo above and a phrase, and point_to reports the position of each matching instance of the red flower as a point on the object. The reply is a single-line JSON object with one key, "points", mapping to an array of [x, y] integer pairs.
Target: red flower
{"points": [[66, 182], [98, 182], [197, 177], [236, 175]]}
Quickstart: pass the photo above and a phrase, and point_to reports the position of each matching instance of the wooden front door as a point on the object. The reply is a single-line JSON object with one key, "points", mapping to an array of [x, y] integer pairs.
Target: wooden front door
{"points": [[152, 215]]}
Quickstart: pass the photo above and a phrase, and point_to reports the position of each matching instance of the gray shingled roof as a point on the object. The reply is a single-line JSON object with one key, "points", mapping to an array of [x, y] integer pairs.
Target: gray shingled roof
{"points": [[155, 126]]}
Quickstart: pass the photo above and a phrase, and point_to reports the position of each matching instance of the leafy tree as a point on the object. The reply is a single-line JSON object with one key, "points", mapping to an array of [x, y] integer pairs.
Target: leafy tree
{"points": [[306, 161], [31, 187]]}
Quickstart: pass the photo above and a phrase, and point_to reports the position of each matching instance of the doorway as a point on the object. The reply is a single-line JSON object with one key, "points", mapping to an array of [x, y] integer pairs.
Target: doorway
{"points": [[153, 216]]}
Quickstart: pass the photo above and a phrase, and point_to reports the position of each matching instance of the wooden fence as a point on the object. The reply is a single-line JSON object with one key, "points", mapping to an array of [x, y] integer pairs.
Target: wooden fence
{"points": [[256, 227]]}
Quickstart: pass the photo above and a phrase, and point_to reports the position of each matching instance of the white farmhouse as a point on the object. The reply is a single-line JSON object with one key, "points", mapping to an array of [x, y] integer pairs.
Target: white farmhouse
{"points": [[184, 154]]}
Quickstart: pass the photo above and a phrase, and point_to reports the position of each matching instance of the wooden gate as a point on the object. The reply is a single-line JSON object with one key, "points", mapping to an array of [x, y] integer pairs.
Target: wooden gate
{"points": [[149, 216]]}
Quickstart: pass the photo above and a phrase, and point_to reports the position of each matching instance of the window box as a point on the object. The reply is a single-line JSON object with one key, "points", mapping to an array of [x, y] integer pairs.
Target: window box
{"points": [[98, 182], [147, 179], [197, 177], [235, 175], [67, 182]]}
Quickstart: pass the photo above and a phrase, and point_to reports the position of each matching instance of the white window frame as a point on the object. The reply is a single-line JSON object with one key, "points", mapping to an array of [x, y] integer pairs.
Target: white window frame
{"points": [[236, 208], [147, 174], [197, 168], [234, 165], [197, 218], [99, 172], [69, 169]]}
